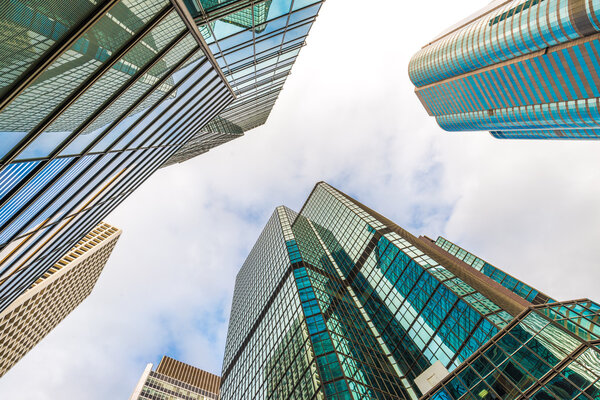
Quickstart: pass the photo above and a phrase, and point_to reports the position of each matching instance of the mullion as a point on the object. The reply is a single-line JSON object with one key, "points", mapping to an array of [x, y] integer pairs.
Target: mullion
{"points": [[109, 127], [239, 105], [130, 183], [76, 179], [184, 14], [265, 57], [261, 82], [262, 91], [246, 120], [76, 158], [270, 35], [255, 122], [464, 343], [249, 77], [145, 114], [54, 52], [229, 9], [260, 102], [145, 172], [263, 72], [83, 187], [252, 115], [216, 43], [150, 110], [122, 90], [287, 27], [252, 112], [114, 168], [162, 125], [174, 147], [255, 97], [53, 155], [48, 252], [167, 109], [82, 88]]}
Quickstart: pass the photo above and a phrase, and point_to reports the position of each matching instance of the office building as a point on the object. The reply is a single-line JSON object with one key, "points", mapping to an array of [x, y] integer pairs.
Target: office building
{"points": [[256, 45], [54, 295], [96, 96], [338, 302], [174, 380], [549, 352], [57, 184], [521, 69]]}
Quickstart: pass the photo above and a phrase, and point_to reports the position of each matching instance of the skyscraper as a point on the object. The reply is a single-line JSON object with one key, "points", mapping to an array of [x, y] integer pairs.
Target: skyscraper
{"points": [[338, 302], [256, 44], [176, 380], [549, 352], [54, 295], [522, 69], [146, 69], [94, 98]]}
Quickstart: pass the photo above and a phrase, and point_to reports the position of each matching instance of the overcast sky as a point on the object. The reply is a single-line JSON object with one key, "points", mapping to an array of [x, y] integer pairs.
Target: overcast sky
{"points": [[347, 115]]}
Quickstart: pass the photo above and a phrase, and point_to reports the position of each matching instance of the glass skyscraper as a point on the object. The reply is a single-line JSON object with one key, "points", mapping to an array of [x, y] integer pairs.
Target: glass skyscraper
{"points": [[338, 302], [96, 96], [522, 69], [108, 92], [255, 44], [549, 352]]}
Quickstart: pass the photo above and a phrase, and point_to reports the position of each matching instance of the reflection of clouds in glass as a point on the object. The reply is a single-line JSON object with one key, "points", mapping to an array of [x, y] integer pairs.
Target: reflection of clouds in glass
{"points": [[114, 93], [255, 48], [580, 318], [78, 63]]}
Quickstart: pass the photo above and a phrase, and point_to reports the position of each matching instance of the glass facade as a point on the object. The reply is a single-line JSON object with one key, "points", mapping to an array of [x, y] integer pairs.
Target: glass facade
{"points": [[549, 352], [256, 44], [520, 69], [338, 302], [93, 100], [511, 283], [268, 352]]}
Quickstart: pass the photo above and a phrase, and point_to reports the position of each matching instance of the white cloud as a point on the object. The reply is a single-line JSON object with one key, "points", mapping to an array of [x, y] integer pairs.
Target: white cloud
{"points": [[347, 115]]}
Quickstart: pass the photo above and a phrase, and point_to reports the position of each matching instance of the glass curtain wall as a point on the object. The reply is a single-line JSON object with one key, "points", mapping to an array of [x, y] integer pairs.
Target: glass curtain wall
{"points": [[256, 44], [550, 352], [268, 354], [522, 69], [94, 103], [363, 306]]}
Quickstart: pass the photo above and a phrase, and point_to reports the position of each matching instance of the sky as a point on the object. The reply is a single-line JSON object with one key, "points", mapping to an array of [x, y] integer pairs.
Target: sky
{"points": [[348, 116]]}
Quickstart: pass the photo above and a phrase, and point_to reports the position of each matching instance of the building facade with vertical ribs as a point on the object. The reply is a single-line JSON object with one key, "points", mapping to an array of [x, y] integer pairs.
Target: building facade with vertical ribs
{"points": [[255, 43], [54, 295], [108, 92], [174, 380], [521, 69], [338, 302], [95, 96]]}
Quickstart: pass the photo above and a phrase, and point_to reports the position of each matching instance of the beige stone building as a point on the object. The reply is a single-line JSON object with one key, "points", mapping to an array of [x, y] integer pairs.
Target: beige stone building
{"points": [[54, 295], [175, 380]]}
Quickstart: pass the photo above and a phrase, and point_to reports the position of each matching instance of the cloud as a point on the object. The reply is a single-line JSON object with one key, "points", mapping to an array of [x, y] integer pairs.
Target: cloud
{"points": [[347, 115]]}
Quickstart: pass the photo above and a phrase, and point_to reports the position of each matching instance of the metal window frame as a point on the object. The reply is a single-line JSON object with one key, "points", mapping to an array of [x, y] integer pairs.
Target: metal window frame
{"points": [[54, 52], [212, 97]]}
